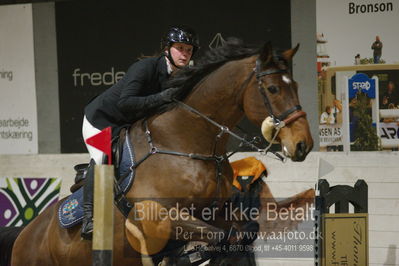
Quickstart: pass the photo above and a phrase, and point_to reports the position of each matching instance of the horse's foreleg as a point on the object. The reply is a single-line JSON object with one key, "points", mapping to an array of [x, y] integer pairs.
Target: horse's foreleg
{"points": [[278, 216]]}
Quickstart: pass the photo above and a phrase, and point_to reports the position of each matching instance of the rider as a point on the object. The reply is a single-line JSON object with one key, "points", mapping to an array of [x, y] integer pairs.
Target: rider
{"points": [[141, 90]]}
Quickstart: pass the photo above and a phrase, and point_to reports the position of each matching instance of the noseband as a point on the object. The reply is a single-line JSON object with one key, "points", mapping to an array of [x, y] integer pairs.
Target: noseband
{"points": [[287, 116]]}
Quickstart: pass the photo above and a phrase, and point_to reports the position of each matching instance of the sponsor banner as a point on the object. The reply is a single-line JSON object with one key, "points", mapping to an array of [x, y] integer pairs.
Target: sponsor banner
{"points": [[361, 82], [330, 135], [23, 198], [97, 45], [18, 113], [389, 130], [345, 237]]}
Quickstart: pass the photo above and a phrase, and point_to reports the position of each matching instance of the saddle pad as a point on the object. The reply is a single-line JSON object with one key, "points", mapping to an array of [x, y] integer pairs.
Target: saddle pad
{"points": [[70, 212]]}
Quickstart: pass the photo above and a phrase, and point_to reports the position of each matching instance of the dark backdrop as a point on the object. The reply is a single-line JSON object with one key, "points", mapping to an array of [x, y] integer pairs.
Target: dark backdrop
{"points": [[106, 37]]}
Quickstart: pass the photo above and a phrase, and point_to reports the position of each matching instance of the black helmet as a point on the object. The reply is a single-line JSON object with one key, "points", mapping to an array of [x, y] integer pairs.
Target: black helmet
{"points": [[182, 34]]}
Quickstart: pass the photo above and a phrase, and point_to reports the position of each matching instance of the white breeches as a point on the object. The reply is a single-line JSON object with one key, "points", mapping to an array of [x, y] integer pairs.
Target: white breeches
{"points": [[88, 130]]}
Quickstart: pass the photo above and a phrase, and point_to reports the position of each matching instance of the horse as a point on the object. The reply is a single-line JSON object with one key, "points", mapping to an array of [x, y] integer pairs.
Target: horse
{"points": [[231, 81]]}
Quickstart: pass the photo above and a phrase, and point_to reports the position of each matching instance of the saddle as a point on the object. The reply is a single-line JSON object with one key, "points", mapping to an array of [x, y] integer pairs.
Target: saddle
{"points": [[70, 211]]}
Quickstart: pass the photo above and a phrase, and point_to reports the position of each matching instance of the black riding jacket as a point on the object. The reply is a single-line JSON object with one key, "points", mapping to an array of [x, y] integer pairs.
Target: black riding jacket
{"points": [[131, 97]]}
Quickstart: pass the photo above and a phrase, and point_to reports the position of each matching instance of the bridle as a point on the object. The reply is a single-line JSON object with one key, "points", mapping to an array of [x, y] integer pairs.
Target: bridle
{"points": [[289, 115]]}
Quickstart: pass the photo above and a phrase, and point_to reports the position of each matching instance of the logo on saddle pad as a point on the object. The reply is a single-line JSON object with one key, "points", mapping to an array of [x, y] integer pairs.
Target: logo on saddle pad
{"points": [[70, 206]]}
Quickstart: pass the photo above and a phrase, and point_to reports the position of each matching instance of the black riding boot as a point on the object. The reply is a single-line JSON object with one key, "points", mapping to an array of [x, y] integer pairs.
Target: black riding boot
{"points": [[87, 224]]}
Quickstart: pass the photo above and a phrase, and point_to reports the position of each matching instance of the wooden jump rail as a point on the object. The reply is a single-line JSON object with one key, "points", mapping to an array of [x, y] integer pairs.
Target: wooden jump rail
{"points": [[103, 233]]}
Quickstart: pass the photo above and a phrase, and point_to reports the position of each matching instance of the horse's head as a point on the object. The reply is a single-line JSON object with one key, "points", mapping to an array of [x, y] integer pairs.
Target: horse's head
{"points": [[273, 102]]}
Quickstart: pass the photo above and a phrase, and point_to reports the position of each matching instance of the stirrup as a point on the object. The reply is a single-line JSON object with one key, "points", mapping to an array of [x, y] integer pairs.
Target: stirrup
{"points": [[87, 230]]}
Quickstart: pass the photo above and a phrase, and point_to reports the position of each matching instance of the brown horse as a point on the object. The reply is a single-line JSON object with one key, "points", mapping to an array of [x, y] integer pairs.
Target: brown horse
{"points": [[233, 81]]}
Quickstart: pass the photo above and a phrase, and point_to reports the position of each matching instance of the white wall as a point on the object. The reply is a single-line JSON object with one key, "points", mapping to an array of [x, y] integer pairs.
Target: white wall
{"points": [[379, 169]]}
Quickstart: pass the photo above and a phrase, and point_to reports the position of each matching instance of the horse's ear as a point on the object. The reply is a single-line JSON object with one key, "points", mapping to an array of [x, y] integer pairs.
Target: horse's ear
{"points": [[289, 54], [266, 52]]}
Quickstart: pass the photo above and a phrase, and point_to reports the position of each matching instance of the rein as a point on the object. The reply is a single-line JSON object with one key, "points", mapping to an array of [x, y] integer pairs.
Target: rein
{"points": [[226, 130]]}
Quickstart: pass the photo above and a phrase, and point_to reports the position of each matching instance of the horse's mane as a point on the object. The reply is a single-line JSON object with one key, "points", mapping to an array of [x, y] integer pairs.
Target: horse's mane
{"points": [[233, 49], [187, 78]]}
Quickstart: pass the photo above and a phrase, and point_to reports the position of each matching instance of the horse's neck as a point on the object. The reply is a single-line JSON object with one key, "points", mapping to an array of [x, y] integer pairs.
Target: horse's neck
{"points": [[219, 97]]}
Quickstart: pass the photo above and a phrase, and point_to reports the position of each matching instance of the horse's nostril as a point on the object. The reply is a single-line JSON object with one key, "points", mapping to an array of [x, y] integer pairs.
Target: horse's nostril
{"points": [[301, 146], [300, 150]]}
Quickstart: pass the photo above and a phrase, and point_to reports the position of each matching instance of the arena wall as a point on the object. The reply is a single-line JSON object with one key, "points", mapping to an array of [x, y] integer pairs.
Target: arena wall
{"points": [[379, 169], [43, 165]]}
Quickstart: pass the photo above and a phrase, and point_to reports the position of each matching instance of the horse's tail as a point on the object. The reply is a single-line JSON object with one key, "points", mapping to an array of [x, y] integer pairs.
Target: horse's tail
{"points": [[8, 235]]}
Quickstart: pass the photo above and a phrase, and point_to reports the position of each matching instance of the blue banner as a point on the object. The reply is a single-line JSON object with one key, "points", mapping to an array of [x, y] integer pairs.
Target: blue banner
{"points": [[361, 82]]}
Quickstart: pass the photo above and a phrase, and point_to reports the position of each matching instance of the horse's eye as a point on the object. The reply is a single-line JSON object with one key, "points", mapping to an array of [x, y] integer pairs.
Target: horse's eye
{"points": [[272, 89]]}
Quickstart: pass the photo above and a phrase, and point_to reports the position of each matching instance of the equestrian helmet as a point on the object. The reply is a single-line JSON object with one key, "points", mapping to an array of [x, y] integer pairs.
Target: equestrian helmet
{"points": [[181, 34]]}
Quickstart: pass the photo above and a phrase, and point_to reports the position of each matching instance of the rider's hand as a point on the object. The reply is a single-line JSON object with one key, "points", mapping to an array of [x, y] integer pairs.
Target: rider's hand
{"points": [[169, 94]]}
